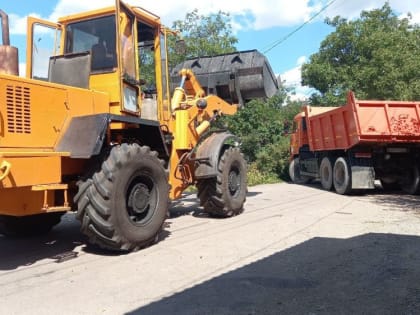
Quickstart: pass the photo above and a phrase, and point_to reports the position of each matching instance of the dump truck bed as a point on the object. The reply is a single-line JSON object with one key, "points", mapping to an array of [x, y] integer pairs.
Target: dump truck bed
{"points": [[362, 122]]}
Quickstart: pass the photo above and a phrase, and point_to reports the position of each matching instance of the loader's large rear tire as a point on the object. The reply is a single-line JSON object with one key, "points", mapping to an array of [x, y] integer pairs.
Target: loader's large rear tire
{"points": [[411, 182], [294, 173], [31, 225], [326, 173], [124, 205], [342, 176], [224, 196]]}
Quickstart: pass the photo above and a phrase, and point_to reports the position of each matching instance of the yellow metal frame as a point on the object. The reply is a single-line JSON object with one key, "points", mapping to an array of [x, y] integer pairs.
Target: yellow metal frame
{"points": [[31, 21], [188, 123], [26, 187]]}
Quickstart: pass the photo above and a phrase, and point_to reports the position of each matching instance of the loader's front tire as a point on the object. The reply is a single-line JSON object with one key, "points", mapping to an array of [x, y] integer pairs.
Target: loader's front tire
{"points": [[125, 203], [225, 195], [30, 225]]}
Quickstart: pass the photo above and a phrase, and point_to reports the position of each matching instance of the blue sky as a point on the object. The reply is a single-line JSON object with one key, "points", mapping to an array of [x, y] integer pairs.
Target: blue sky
{"points": [[257, 24]]}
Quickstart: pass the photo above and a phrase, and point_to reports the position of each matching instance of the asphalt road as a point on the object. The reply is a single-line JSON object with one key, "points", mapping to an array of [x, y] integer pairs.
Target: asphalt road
{"points": [[295, 250]]}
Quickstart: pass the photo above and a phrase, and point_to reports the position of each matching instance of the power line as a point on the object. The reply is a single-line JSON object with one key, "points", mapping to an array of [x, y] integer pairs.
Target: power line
{"points": [[278, 42]]}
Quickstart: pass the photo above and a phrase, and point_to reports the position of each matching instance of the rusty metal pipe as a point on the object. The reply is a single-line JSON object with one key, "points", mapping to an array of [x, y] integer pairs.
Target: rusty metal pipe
{"points": [[9, 58], [5, 28]]}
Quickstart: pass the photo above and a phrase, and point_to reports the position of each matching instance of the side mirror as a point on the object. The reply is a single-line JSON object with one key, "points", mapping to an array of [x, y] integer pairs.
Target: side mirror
{"points": [[286, 128]]}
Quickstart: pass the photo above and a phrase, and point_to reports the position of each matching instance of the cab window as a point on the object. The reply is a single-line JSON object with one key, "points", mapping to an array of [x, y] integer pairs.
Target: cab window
{"points": [[97, 36]]}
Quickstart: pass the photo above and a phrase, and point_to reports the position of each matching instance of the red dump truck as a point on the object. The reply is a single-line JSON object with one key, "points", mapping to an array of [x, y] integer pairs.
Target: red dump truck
{"points": [[349, 147]]}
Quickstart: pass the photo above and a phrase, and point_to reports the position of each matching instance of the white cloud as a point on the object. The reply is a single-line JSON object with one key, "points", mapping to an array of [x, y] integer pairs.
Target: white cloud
{"points": [[249, 14], [67, 7], [293, 78], [22, 69], [352, 9], [18, 24], [416, 17]]}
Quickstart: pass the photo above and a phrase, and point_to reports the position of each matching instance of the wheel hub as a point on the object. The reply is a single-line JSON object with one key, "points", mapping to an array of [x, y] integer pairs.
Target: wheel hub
{"points": [[234, 182], [340, 175], [139, 198]]}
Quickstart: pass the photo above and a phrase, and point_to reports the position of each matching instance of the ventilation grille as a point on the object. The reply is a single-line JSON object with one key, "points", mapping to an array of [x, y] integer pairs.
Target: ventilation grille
{"points": [[18, 102]]}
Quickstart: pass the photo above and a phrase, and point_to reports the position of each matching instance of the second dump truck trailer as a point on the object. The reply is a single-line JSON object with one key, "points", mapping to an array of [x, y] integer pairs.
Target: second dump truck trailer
{"points": [[351, 146]]}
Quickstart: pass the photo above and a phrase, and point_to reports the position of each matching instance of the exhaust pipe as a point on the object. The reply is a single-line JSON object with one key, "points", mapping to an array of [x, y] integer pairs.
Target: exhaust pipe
{"points": [[9, 61], [5, 28]]}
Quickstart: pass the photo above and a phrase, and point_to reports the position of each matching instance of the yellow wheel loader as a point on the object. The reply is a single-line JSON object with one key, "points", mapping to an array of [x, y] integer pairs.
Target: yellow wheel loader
{"points": [[92, 129]]}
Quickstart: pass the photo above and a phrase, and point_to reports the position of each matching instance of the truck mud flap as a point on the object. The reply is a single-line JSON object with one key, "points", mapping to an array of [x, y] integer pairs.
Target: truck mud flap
{"points": [[362, 177]]}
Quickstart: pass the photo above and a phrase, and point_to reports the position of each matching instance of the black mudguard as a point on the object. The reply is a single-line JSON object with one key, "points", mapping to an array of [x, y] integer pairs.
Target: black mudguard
{"points": [[85, 135], [209, 152]]}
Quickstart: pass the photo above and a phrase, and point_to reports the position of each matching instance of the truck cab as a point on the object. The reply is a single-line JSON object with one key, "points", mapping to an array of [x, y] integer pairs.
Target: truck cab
{"points": [[299, 136]]}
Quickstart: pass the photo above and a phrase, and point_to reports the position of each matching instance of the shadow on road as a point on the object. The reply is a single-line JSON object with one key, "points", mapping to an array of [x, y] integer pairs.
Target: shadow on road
{"points": [[395, 200], [388, 199], [368, 274], [190, 205], [58, 246], [187, 205]]}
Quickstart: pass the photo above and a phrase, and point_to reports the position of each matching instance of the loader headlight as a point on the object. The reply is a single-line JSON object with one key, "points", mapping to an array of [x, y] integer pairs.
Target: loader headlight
{"points": [[201, 103]]}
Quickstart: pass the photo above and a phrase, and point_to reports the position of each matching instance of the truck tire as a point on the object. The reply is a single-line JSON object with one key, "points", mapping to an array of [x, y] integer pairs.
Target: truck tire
{"points": [[294, 173], [389, 185], [326, 173], [411, 182], [124, 204], [30, 225], [225, 195], [342, 176]]}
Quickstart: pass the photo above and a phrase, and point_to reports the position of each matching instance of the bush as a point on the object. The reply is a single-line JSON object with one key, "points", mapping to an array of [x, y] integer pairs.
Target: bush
{"points": [[274, 159], [261, 126], [257, 177]]}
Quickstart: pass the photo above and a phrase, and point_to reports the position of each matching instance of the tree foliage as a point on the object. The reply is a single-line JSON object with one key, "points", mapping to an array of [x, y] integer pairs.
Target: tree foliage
{"points": [[204, 35], [377, 56], [262, 126]]}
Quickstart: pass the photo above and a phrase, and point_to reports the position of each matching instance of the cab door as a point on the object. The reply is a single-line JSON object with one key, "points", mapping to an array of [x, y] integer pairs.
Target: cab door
{"points": [[130, 87], [43, 41]]}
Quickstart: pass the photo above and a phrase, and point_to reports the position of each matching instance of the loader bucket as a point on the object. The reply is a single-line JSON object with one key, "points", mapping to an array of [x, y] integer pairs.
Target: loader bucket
{"points": [[235, 77]]}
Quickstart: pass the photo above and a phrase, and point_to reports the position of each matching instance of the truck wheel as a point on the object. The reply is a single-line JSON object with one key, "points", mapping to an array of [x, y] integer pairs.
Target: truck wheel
{"points": [[326, 174], [342, 176], [224, 196], [388, 185], [124, 205], [30, 225], [411, 182], [294, 173]]}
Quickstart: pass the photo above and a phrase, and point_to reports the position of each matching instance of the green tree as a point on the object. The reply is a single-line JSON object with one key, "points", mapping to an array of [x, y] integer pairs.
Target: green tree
{"points": [[377, 56], [204, 35], [262, 126]]}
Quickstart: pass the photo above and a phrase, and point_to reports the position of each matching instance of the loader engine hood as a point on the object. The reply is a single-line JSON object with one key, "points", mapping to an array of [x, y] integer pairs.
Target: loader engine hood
{"points": [[236, 77]]}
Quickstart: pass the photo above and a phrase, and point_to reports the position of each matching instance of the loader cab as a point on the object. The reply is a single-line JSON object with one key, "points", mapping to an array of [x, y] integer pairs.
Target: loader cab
{"points": [[119, 50]]}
